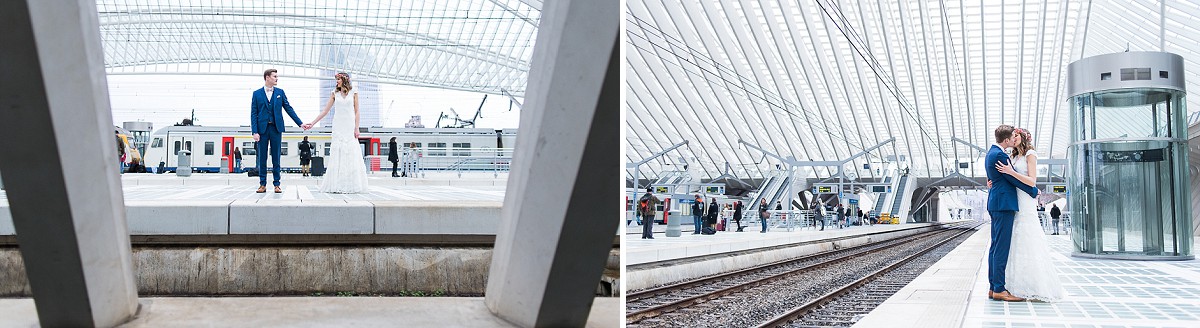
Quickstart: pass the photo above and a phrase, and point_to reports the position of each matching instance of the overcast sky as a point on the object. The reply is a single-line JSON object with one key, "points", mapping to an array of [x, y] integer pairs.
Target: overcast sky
{"points": [[225, 101]]}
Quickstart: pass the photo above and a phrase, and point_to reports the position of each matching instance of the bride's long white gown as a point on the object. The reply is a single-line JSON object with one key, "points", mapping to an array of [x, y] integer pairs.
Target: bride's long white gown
{"points": [[346, 174], [1030, 273]]}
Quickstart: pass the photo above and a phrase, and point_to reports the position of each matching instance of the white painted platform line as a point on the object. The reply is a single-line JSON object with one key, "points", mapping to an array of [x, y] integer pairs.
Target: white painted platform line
{"points": [[661, 248], [1102, 293]]}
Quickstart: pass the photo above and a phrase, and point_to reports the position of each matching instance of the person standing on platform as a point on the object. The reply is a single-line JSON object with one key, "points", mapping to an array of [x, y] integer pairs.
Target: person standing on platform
{"points": [[266, 123], [393, 157], [737, 215], [305, 155], [763, 215], [815, 207], [697, 214], [1054, 214], [237, 160], [646, 208], [713, 210], [841, 216]]}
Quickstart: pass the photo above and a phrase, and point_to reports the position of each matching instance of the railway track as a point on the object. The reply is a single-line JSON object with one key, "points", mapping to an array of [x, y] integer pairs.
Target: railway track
{"points": [[733, 293]]}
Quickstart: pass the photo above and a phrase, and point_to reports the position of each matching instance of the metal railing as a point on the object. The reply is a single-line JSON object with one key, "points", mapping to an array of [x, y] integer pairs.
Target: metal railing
{"points": [[414, 162]]}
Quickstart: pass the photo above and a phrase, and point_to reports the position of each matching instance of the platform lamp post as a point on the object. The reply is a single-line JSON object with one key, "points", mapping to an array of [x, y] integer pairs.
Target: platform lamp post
{"points": [[671, 228]]}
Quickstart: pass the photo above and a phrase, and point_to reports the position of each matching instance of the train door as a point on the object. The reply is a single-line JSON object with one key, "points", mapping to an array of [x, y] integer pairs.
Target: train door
{"points": [[364, 144], [227, 152], [179, 144]]}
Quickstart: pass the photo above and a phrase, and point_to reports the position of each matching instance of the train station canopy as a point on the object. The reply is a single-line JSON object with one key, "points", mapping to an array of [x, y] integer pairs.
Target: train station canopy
{"points": [[470, 45], [822, 80]]}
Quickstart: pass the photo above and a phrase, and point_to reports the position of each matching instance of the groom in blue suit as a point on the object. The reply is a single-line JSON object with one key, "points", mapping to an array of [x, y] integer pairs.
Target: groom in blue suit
{"points": [[266, 122], [1002, 206]]}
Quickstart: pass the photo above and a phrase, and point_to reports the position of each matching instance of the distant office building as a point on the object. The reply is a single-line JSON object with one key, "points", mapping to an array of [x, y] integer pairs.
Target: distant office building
{"points": [[340, 55]]}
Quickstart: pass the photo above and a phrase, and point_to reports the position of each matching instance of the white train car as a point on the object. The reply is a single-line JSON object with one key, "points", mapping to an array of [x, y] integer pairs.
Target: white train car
{"points": [[210, 144]]}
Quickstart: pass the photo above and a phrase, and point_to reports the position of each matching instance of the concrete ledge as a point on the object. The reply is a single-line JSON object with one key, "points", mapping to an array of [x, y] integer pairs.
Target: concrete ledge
{"points": [[196, 217], [312, 312], [187, 271], [289, 217], [437, 217]]}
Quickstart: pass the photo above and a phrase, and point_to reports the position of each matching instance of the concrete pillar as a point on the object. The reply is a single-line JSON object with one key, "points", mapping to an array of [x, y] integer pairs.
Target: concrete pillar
{"points": [[67, 206], [558, 216]]}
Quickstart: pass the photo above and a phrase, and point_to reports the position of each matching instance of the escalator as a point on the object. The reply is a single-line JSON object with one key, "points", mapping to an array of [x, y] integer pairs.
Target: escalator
{"points": [[779, 193], [879, 203], [899, 195], [768, 188]]}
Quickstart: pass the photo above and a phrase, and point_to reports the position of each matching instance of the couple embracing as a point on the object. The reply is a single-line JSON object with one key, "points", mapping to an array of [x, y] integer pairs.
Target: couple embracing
{"points": [[1019, 265]]}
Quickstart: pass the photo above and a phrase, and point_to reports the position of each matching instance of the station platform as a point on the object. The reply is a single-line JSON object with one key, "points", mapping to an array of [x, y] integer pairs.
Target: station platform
{"points": [[662, 260], [1100, 293], [226, 204]]}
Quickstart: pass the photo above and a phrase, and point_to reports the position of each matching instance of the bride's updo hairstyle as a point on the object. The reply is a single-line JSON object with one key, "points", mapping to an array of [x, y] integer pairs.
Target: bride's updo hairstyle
{"points": [[1026, 142], [345, 78]]}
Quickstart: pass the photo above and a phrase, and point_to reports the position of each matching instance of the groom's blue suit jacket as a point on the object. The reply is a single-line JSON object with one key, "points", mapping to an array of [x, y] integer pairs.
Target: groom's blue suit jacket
{"points": [[263, 110], [1003, 194]]}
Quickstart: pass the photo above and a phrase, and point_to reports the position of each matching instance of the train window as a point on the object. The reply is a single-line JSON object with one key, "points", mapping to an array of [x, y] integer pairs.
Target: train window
{"points": [[157, 143], [187, 145], [283, 149], [437, 148], [248, 148], [208, 147], [462, 149], [326, 149], [177, 148], [414, 145]]}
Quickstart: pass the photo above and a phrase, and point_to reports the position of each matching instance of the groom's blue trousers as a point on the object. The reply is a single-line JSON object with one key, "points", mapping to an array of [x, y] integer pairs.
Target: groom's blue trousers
{"points": [[270, 138], [1002, 226]]}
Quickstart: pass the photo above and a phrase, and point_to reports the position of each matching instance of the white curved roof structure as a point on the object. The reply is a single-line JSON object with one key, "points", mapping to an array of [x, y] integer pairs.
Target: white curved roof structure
{"points": [[472, 45], [821, 80]]}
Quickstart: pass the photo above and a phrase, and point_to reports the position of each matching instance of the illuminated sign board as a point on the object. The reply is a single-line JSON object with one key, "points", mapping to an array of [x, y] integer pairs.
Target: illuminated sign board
{"points": [[1058, 189]]}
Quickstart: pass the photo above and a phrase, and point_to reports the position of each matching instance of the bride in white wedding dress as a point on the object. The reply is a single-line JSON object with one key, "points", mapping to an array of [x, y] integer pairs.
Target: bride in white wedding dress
{"points": [[346, 173], [1030, 273]]}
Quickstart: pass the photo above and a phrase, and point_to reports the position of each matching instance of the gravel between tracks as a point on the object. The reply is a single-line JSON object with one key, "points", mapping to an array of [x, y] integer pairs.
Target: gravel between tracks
{"points": [[758, 304]]}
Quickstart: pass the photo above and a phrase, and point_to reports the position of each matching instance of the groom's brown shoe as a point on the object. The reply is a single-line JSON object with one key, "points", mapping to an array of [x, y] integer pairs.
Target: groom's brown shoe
{"points": [[991, 294], [277, 190], [261, 189], [1007, 297]]}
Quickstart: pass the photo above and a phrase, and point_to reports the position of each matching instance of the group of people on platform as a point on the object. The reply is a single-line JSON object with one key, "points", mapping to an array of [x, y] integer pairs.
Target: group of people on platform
{"points": [[707, 218]]}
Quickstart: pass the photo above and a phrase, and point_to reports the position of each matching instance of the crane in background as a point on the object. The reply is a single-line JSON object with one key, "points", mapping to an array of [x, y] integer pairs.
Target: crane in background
{"points": [[457, 121]]}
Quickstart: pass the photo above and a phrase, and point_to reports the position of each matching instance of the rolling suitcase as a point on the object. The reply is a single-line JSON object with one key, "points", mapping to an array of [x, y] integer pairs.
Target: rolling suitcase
{"points": [[317, 166]]}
